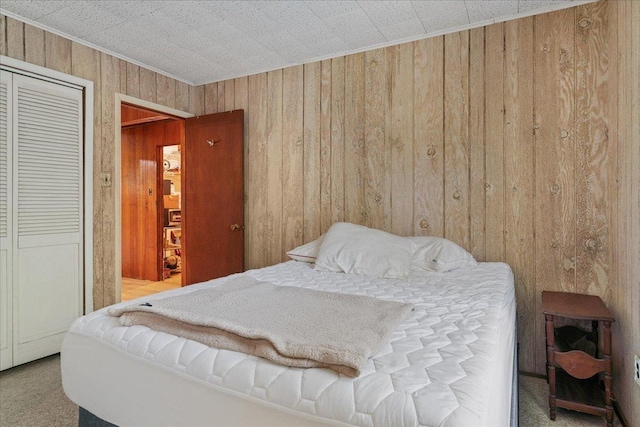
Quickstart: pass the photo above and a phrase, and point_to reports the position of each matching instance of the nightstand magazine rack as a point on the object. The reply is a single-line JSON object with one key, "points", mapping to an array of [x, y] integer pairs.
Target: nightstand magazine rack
{"points": [[576, 359]]}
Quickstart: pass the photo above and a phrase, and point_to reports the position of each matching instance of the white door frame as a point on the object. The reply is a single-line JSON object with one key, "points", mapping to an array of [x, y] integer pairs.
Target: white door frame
{"points": [[117, 179], [25, 68]]}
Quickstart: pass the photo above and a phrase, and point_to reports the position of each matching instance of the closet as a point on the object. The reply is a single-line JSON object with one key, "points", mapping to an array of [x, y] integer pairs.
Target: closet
{"points": [[41, 215]]}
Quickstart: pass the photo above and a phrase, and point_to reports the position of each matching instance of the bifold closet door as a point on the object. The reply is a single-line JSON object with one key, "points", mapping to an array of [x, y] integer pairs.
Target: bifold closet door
{"points": [[47, 215], [6, 312]]}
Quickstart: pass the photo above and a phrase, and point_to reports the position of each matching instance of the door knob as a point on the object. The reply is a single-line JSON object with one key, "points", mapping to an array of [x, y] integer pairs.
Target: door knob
{"points": [[235, 227]]}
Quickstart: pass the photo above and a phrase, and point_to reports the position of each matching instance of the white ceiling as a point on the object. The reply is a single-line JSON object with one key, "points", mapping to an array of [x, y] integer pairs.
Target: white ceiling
{"points": [[206, 41]]}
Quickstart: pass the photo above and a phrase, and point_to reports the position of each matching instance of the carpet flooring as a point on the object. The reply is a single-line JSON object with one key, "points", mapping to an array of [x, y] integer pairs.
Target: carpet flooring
{"points": [[31, 395]]}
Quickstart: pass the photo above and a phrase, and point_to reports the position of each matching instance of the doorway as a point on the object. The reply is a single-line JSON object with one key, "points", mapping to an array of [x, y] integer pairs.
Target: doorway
{"points": [[212, 229], [152, 256]]}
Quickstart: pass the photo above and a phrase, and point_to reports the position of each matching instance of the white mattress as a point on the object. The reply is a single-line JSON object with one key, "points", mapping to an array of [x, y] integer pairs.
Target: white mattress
{"points": [[448, 364]]}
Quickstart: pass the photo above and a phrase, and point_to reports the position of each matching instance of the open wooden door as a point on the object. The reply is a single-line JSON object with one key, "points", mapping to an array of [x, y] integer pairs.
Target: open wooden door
{"points": [[212, 211]]}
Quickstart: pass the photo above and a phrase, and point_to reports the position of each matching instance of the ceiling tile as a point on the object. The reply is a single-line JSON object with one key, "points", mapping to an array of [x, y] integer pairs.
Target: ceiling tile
{"points": [[89, 19], [350, 22], [531, 5], [191, 14], [364, 38], [355, 28], [403, 30], [438, 15], [130, 9], [327, 9], [482, 10], [387, 13], [34, 10], [295, 18]]}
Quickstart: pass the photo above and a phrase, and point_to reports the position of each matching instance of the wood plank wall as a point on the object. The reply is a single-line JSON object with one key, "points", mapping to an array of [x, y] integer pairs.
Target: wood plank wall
{"points": [[499, 138], [519, 140], [110, 75], [625, 299]]}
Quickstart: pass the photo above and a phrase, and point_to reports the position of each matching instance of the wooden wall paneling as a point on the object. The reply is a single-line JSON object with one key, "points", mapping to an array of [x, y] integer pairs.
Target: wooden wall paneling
{"points": [[210, 98], [229, 96], [494, 143], [3, 35], [123, 77], [593, 144], [182, 96], [325, 147], [519, 176], [456, 137], [110, 83], [354, 143], [626, 287], [477, 91], [554, 86], [34, 51], [15, 39], [133, 80], [241, 102], [131, 116], [197, 102], [221, 97], [192, 98], [337, 168], [622, 363], [57, 53], [292, 157], [629, 391], [85, 63], [141, 239], [148, 89], [134, 216], [274, 242], [428, 170], [129, 185], [378, 171], [401, 134], [257, 187], [166, 91], [312, 120]]}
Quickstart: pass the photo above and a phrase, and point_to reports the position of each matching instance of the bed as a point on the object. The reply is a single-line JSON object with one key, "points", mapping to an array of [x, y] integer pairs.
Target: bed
{"points": [[449, 363]]}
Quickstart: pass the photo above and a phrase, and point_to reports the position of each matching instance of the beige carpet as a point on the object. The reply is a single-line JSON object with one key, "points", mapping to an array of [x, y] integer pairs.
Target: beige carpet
{"points": [[31, 395]]}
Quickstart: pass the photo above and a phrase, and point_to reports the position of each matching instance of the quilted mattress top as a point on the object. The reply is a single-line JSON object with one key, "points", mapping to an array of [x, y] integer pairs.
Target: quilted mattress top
{"points": [[436, 370]]}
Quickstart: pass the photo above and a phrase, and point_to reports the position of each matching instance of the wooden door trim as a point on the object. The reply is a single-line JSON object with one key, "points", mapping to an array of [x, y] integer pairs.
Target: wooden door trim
{"points": [[159, 213], [116, 178]]}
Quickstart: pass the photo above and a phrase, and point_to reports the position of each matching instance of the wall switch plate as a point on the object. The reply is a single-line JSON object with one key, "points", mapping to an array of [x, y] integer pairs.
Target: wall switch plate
{"points": [[636, 365], [105, 179]]}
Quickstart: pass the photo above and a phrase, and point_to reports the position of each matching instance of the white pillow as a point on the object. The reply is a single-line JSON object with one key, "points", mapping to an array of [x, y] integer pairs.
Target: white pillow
{"points": [[356, 249], [438, 254], [307, 252]]}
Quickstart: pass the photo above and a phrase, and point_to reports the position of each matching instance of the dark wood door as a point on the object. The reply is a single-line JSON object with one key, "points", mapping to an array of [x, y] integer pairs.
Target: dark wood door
{"points": [[140, 239], [212, 210]]}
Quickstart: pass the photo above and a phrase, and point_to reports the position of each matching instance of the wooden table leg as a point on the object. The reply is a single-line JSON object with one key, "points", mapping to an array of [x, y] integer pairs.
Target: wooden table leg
{"points": [[607, 373], [551, 368]]}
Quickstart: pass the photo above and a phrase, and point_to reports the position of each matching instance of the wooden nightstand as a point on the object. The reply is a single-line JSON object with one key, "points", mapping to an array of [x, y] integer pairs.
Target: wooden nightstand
{"points": [[575, 358]]}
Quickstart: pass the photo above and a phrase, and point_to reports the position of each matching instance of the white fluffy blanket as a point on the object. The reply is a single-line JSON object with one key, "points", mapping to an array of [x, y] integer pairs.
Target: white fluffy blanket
{"points": [[288, 325]]}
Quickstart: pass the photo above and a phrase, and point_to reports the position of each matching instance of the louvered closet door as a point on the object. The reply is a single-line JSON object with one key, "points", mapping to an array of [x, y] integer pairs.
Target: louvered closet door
{"points": [[47, 215], [6, 312]]}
